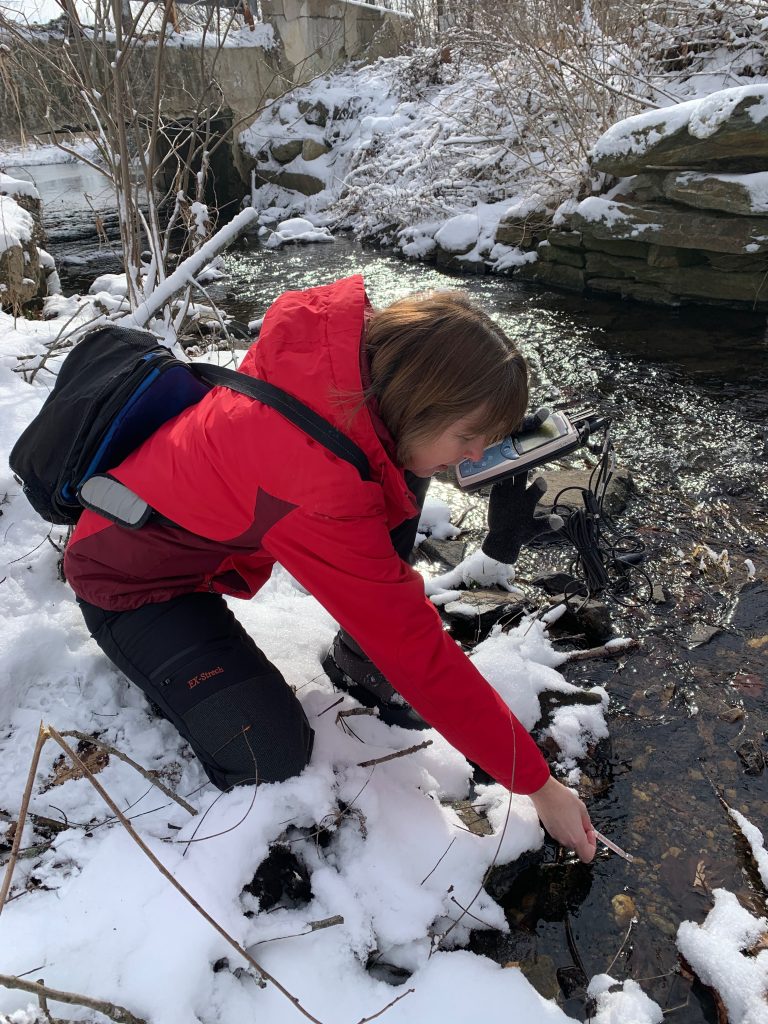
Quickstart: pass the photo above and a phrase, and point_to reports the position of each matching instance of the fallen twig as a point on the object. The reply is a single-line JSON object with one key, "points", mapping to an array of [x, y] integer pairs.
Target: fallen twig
{"points": [[15, 846], [610, 650], [312, 926], [397, 753], [364, 1020], [128, 760], [43, 993]]}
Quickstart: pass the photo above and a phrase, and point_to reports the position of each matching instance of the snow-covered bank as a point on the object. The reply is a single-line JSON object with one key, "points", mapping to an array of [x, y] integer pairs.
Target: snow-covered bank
{"points": [[431, 152], [398, 865]]}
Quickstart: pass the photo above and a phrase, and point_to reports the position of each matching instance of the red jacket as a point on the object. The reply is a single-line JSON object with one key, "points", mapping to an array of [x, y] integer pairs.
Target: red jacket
{"points": [[248, 489]]}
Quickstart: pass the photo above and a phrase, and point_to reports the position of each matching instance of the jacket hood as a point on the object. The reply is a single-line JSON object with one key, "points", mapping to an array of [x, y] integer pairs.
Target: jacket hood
{"points": [[309, 345]]}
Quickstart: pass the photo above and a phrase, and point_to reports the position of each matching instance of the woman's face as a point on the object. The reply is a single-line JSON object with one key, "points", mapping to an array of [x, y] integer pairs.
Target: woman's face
{"points": [[457, 442]]}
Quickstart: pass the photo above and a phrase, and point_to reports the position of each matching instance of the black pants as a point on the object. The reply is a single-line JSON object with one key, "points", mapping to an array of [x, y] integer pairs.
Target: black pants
{"points": [[193, 659]]}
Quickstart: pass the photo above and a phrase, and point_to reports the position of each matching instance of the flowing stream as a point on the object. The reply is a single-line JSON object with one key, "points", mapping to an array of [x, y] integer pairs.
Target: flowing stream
{"points": [[687, 391]]}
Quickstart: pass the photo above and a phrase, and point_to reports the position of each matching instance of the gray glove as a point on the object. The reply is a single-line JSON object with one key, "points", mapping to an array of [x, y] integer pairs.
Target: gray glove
{"points": [[512, 521]]}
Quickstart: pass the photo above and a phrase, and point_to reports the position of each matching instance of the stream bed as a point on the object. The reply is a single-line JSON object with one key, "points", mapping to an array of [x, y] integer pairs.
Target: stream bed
{"points": [[687, 393]]}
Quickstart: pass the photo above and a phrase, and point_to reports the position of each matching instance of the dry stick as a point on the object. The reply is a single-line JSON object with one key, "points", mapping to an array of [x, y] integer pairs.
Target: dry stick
{"points": [[364, 1020], [43, 992], [50, 731], [124, 757], [439, 861], [313, 926], [397, 753], [42, 736], [609, 650]]}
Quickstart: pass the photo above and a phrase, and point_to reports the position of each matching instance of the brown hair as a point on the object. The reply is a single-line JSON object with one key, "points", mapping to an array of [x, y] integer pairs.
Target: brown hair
{"points": [[435, 358]]}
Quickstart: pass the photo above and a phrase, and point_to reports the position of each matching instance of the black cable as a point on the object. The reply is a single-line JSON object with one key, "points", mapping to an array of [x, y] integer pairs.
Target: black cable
{"points": [[607, 562]]}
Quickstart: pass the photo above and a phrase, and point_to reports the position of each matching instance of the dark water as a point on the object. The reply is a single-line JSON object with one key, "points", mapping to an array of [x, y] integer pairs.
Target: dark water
{"points": [[687, 392]]}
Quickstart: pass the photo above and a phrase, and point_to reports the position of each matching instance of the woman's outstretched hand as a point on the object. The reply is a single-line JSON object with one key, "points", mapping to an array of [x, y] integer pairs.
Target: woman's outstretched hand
{"points": [[565, 817]]}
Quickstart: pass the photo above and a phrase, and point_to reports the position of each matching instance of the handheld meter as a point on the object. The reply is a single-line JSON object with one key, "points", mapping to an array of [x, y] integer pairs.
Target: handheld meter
{"points": [[558, 435]]}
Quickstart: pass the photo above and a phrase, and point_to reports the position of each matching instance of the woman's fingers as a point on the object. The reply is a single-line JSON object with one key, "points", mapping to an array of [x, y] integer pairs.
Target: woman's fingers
{"points": [[565, 817]]}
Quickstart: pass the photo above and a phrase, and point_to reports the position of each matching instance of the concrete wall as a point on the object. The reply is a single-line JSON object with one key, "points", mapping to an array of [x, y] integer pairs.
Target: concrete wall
{"points": [[313, 36]]}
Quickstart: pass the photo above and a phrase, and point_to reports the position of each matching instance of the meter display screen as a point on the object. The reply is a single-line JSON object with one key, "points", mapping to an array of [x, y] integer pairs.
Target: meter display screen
{"points": [[547, 432]]}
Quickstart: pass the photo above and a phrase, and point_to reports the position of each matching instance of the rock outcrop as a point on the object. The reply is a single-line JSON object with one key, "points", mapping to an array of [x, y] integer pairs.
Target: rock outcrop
{"points": [[25, 266], [687, 222]]}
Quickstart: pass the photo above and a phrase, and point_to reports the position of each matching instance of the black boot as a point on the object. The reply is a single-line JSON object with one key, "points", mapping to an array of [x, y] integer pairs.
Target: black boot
{"points": [[359, 677]]}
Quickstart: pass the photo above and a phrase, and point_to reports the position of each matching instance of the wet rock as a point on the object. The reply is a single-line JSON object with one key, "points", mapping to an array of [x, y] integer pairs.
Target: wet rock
{"points": [[541, 973], [618, 493], [702, 634], [449, 552], [555, 275], [591, 617], [558, 583], [751, 757], [731, 715], [624, 909], [478, 611], [660, 594], [549, 252], [460, 264]]}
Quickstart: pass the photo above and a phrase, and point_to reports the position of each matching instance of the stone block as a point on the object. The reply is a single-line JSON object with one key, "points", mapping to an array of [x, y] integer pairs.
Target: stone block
{"points": [[284, 152], [601, 264], [653, 294], [663, 256], [559, 254], [710, 192], [312, 149], [524, 232], [458, 264], [739, 142], [745, 264], [306, 184], [565, 239], [614, 247], [675, 226], [555, 275]]}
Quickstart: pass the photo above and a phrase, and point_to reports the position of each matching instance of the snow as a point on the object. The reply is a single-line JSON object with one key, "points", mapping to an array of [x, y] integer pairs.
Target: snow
{"points": [[239, 36], [714, 950], [627, 1004], [458, 234], [10, 186], [435, 521], [296, 229], [756, 841], [16, 225]]}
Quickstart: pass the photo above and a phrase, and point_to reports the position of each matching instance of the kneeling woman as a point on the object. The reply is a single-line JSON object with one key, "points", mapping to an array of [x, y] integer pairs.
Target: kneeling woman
{"points": [[418, 386]]}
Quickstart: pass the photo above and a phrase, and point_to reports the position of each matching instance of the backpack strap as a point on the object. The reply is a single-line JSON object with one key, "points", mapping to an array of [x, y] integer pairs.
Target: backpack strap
{"points": [[294, 410]]}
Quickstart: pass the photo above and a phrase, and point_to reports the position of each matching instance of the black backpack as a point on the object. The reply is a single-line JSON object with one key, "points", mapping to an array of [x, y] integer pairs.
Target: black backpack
{"points": [[114, 389]]}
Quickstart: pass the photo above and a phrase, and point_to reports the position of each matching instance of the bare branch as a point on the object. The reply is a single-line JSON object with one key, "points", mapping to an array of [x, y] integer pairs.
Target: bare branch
{"points": [[44, 992]]}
